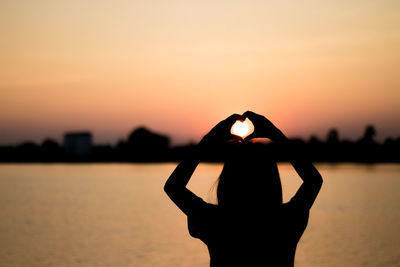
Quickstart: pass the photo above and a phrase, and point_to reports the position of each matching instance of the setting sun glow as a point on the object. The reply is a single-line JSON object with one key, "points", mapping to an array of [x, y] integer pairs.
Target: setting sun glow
{"points": [[242, 129], [180, 67]]}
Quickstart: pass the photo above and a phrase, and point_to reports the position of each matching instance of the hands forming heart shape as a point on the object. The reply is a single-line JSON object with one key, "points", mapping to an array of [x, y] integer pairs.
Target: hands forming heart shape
{"points": [[241, 128]]}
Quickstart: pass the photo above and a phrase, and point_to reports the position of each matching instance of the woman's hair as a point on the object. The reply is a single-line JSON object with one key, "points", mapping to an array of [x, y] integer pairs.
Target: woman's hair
{"points": [[251, 182]]}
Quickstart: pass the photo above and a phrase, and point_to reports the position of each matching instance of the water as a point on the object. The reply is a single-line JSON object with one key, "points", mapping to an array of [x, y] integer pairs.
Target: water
{"points": [[118, 215]]}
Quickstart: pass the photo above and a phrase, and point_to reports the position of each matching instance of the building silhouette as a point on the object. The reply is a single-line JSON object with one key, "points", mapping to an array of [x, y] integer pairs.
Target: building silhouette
{"points": [[78, 144]]}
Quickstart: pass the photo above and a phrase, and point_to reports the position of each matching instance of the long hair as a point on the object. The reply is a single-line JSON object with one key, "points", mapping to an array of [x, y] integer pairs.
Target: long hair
{"points": [[249, 181]]}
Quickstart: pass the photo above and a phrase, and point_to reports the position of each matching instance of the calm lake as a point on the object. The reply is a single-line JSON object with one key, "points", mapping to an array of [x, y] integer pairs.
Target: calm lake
{"points": [[118, 215]]}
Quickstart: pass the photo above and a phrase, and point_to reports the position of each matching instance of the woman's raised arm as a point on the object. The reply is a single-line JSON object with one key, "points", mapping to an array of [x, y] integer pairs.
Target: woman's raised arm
{"points": [[312, 180], [175, 187]]}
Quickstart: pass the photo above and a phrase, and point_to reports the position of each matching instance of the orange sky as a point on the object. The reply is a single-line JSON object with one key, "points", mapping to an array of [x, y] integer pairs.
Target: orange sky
{"points": [[179, 67]]}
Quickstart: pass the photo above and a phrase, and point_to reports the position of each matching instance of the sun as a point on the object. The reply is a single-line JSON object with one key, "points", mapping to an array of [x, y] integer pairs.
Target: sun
{"points": [[242, 128]]}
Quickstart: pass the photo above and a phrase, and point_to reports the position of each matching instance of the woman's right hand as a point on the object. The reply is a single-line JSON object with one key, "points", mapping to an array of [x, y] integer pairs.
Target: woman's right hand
{"points": [[263, 128], [221, 133]]}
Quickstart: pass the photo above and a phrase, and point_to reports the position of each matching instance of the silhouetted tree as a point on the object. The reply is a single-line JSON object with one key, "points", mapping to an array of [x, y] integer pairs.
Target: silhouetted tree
{"points": [[368, 149], [369, 134], [332, 150], [144, 144], [50, 150], [103, 153], [27, 151], [315, 148], [333, 137], [121, 150], [314, 140]]}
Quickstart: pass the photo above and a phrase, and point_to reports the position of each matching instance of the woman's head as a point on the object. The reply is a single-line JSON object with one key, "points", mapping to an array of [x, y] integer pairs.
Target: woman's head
{"points": [[249, 182]]}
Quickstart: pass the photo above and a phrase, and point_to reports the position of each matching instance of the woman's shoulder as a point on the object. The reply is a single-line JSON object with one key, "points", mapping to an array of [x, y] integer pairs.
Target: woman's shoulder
{"points": [[200, 205]]}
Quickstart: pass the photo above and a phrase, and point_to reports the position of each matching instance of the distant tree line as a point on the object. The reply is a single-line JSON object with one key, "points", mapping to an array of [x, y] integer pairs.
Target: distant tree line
{"points": [[143, 145]]}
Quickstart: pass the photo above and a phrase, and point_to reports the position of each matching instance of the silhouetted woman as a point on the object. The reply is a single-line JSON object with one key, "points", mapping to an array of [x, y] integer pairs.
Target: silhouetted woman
{"points": [[250, 226]]}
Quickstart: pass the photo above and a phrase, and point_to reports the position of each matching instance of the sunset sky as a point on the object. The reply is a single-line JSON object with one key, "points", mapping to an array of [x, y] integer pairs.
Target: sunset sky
{"points": [[179, 67]]}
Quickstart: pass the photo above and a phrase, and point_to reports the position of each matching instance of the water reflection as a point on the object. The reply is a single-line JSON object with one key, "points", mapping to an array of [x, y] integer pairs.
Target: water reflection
{"points": [[117, 215]]}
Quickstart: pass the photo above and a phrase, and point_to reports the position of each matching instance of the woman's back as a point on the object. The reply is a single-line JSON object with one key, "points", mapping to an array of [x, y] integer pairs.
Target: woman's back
{"points": [[249, 238]]}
